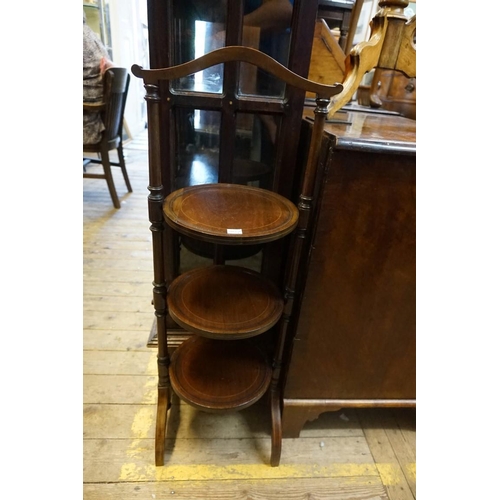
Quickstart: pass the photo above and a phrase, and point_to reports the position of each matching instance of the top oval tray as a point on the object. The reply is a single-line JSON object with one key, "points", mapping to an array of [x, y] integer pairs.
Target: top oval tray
{"points": [[230, 214]]}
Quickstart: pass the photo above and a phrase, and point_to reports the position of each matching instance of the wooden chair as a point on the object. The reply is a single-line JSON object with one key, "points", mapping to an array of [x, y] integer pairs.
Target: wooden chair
{"points": [[116, 82], [222, 366]]}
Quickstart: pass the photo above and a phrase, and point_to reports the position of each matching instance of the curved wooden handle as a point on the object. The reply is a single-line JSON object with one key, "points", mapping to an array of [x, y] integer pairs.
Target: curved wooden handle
{"points": [[237, 53]]}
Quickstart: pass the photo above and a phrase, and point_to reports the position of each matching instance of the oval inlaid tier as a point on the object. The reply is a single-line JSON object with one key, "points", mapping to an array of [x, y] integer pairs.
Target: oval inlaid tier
{"points": [[230, 214], [216, 375], [224, 302]]}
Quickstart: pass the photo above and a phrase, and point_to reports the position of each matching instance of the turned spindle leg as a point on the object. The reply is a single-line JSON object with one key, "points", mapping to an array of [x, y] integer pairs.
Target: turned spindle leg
{"points": [[276, 434], [161, 424]]}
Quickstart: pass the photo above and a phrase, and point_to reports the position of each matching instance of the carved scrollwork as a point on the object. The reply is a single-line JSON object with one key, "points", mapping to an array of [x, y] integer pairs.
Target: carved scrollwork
{"points": [[392, 45]]}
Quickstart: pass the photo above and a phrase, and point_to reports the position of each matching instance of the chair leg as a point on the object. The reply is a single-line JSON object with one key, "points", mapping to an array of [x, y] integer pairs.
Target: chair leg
{"points": [[161, 424], [109, 178], [121, 159]]}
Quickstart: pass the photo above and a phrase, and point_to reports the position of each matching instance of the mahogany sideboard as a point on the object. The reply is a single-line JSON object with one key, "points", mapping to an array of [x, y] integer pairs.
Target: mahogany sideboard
{"points": [[356, 325]]}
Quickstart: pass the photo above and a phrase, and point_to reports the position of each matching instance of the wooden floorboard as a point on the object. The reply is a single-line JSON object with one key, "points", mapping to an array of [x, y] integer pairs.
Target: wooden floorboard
{"points": [[350, 454], [394, 469], [357, 488]]}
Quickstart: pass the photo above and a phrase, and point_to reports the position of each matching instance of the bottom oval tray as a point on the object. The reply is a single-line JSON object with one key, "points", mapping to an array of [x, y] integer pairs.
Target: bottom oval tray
{"points": [[216, 375]]}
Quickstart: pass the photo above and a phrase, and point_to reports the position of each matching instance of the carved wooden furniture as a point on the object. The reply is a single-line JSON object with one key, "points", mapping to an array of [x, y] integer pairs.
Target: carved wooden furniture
{"points": [[116, 82], [355, 336], [229, 309], [392, 46]]}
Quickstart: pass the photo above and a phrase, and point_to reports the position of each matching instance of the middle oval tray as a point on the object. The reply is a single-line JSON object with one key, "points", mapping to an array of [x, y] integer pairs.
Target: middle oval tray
{"points": [[224, 302]]}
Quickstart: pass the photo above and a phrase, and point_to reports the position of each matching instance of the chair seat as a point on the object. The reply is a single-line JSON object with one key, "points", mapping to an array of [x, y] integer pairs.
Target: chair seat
{"points": [[230, 214], [110, 144], [224, 302], [218, 375]]}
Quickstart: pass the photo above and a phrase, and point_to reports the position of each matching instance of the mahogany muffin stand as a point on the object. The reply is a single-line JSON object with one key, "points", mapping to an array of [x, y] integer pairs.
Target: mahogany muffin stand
{"points": [[221, 303], [222, 367]]}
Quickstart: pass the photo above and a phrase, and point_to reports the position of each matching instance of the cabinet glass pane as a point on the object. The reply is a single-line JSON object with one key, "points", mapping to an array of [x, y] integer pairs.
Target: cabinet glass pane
{"points": [[199, 27], [255, 149], [197, 147], [268, 31]]}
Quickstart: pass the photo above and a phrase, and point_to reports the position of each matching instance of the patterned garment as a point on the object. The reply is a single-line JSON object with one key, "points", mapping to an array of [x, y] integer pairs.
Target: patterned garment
{"points": [[93, 52]]}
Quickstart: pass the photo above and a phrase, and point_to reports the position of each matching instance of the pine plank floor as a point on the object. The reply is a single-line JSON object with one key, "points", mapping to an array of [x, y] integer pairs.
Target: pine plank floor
{"points": [[367, 454]]}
